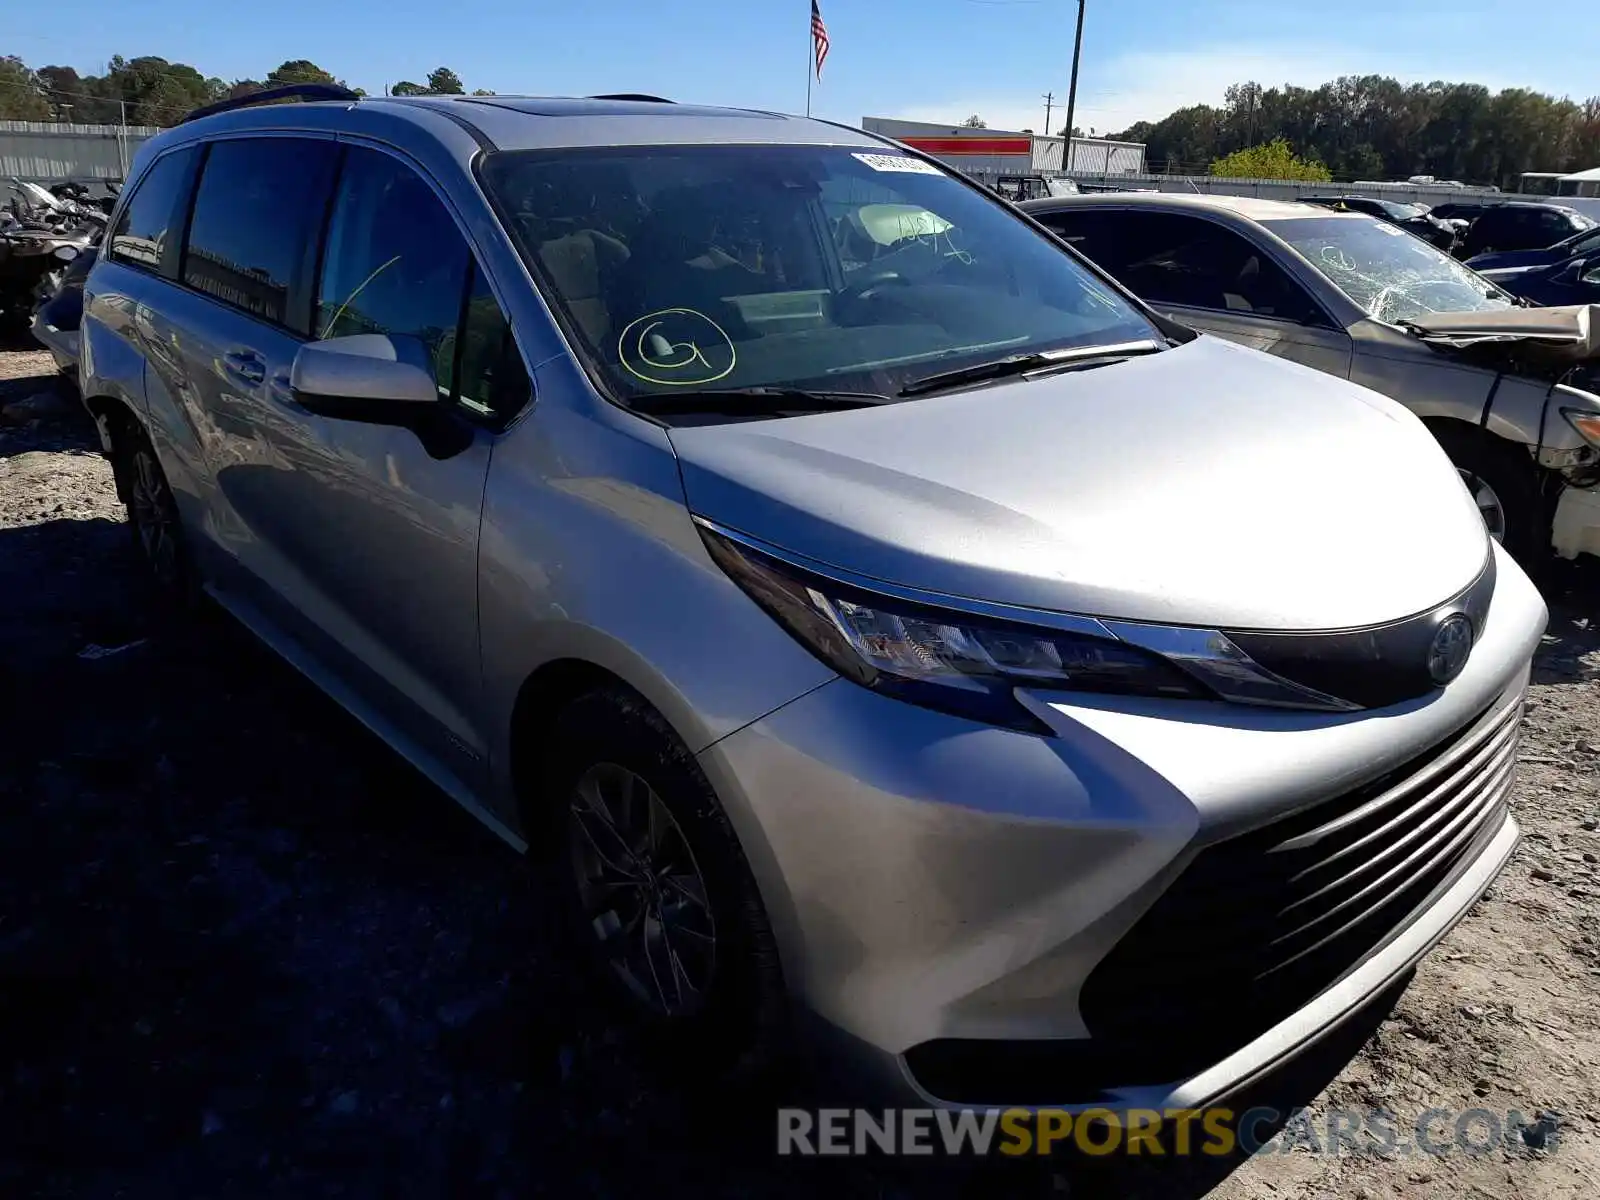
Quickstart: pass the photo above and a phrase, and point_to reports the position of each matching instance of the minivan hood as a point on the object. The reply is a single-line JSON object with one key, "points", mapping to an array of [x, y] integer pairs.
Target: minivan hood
{"points": [[1207, 485]]}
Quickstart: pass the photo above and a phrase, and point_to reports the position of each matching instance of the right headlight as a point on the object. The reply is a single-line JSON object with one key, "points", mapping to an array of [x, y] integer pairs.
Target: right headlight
{"points": [[971, 665], [1586, 421]]}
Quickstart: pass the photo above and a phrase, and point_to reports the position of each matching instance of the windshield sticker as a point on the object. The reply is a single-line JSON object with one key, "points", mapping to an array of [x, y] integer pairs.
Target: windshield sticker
{"points": [[901, 163], [676, 347]]}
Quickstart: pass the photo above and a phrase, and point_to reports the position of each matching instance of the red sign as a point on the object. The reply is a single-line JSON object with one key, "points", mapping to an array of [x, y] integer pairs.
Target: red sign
{"points": [[971, 145]]}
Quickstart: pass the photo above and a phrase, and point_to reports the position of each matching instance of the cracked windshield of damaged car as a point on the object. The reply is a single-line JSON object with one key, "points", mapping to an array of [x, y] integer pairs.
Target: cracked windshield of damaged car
{"points": [[1394, 276]]}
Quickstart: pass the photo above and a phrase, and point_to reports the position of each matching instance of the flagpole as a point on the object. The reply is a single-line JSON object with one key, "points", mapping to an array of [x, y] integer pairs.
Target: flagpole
{"points": [[811, 50]]}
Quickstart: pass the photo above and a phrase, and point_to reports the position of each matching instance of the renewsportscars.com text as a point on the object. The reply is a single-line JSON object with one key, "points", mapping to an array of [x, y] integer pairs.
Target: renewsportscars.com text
{"points": [[1150, 1132]]}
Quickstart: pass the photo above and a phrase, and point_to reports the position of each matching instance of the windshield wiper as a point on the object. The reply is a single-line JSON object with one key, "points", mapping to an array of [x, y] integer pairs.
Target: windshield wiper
{"points": [[1024, 364], [753, 400]]}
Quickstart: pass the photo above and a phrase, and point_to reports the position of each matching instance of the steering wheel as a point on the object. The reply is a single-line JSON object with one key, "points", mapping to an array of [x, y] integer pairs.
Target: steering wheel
{"points": [[865, 289]]}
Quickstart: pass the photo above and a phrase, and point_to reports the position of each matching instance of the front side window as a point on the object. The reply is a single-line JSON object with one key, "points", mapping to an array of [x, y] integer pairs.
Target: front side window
{"points": [[1393, 276], [394, 263], [789, 266], [1166, 258], [492, 380], [140, 238], [255, 211]]}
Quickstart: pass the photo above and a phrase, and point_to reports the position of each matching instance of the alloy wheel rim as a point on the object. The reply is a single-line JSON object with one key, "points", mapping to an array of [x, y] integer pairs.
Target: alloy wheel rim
{"points": [[643, 894], [154, 518], [1488, 501]]}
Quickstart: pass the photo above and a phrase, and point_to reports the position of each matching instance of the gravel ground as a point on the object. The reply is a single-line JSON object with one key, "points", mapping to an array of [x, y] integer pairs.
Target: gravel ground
{"points": [[245, 951]]}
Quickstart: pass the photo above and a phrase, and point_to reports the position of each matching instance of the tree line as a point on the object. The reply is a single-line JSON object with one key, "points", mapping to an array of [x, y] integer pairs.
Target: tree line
{"points": [[152, 91], [1374, 127]]}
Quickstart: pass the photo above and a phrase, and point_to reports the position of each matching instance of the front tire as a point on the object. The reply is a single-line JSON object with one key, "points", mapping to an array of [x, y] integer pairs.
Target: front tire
{"points": [[661, 898], [1505, 484]]}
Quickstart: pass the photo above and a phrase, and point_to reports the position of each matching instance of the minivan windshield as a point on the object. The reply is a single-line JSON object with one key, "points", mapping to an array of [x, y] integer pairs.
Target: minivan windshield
{"points": [[1394, 276], [806, 267]]}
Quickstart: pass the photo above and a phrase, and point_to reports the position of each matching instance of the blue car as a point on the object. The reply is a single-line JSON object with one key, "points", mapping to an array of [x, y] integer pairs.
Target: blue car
{"points": [[1574, 280], [1584, 242]]}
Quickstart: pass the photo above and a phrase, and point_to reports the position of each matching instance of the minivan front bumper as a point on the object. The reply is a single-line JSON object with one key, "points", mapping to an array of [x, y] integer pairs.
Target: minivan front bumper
{"points": [[957, 899]]}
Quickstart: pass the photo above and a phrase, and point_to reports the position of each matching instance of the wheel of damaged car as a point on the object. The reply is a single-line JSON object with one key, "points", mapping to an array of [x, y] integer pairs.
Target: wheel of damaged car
{"points": [[153, 517], [1504, 484], [661, 899]]}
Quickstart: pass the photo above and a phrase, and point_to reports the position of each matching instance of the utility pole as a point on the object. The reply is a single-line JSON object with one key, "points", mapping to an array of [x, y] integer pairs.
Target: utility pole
{"points": [[122, 138], [1072, 94], [1049, 103]]}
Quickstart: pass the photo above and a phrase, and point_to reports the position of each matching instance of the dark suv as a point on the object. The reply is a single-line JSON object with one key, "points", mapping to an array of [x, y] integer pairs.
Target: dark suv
{"points": [[1522, 226]]}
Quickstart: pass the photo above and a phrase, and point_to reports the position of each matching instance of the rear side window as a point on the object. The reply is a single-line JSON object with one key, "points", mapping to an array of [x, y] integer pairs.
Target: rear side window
{"points": [[140, 238], [255, 212], [395, 261]]}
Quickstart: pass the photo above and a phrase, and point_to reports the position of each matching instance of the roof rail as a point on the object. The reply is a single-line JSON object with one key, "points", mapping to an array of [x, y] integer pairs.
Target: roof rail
{"points": [[635, 96], [289, 91]]}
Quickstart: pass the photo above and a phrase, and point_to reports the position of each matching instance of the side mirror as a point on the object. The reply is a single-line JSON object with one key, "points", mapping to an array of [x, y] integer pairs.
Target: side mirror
{"points": [[65, 253], [377, 379], [1574, 271]]}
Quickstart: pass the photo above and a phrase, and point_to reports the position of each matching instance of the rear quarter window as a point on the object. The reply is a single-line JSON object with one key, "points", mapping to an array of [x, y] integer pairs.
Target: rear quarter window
{"points": [[150, 217]]}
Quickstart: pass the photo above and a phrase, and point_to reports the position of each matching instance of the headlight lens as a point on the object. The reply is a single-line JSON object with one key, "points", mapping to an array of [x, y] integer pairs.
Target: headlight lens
{"points": [[1586, 422], [943, 660]]}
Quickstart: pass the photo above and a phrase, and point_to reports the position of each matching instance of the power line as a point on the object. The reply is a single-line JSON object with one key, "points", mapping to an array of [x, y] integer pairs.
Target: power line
{"points": [[47, 93]]}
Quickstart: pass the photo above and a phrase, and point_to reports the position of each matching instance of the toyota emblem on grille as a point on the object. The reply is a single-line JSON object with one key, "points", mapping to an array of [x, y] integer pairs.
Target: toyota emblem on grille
{"points": [[1452, 643]]}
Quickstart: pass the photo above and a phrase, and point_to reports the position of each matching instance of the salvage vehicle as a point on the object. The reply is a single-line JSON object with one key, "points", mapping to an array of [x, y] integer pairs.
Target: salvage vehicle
{"points": [[1413, 218], [57, 320], [1351, 296], [1519, 225], [1573, 281], [1584, 242], [30, 267], [922, 646]]}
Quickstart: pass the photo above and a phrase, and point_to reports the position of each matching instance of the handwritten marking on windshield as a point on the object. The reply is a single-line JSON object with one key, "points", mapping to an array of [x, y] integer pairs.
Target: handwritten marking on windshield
{"points": [[664, 347]]}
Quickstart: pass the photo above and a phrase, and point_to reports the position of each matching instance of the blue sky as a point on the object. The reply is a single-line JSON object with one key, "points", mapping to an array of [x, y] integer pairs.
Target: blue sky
{"points": [[927, 59]]}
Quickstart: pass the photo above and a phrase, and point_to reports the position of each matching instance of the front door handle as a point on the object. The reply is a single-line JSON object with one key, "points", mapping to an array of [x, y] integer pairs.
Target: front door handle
{"points": [[245, 365]]}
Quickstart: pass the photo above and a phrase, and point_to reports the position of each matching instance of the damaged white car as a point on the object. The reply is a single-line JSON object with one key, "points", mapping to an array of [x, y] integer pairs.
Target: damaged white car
{"points": [[1509, 391]]}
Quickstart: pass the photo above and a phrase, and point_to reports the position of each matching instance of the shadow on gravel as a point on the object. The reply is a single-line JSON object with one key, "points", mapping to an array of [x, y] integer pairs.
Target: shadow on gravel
{"points": [[245, 950], [1571, 651]]}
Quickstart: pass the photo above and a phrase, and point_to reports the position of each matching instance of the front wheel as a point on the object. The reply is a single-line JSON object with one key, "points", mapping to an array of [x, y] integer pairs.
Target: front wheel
{"points": [[1504, 483], [662, 899]]}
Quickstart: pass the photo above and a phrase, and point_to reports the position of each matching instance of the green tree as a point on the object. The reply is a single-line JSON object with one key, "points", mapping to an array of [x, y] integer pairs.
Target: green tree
{"points": [[406, 88], [975, 122], [300, 70], [1274, 160], [64, 88], [442, 81], [22, 95], [482, 92]]}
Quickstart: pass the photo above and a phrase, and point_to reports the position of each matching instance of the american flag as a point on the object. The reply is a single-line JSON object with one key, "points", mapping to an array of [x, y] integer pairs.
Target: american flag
{"points": [[819, 36]]}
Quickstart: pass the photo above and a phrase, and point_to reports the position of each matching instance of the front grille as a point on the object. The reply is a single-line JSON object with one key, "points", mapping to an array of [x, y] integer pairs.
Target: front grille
{"points": [[1255, 927], [1260, 924]]}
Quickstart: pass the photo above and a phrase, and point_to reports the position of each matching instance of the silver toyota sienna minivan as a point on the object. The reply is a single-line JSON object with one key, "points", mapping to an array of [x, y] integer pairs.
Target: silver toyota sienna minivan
{"points": [[893, 630]]}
